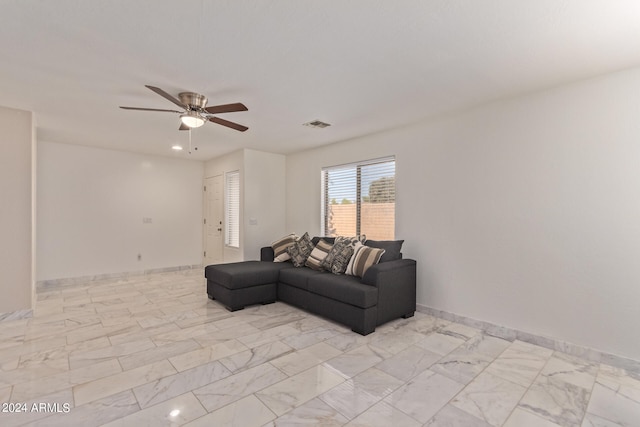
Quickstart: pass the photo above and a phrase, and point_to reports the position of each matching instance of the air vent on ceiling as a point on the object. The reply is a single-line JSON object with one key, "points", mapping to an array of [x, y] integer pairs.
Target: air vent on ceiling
{"points": [[317, 124]]}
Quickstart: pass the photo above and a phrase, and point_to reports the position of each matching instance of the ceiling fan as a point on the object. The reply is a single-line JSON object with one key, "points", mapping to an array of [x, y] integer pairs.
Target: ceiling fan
{"points": [[196, 112]]}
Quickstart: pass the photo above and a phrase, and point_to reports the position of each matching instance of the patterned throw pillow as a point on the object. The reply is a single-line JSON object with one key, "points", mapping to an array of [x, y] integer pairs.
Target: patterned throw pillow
{"points": [[341, 259], [318, 254], [340, 245], [280, 247], [352, 240], [300, 250], [337, 247], [364, 258]]}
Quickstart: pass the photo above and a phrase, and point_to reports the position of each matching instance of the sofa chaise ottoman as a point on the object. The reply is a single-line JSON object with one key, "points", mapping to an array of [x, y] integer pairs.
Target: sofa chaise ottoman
{"points": [[236, 285]]}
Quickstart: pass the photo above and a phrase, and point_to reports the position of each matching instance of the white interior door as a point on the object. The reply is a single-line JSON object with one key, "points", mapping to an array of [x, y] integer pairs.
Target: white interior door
{"points": [[214, 216]]}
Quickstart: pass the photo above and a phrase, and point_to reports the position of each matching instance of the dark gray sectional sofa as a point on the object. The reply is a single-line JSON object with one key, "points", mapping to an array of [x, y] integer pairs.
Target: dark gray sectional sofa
{"points": [[387, 290]]}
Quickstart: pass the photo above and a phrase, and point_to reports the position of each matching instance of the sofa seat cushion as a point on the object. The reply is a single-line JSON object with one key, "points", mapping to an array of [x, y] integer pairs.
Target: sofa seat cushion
{"points": [[346, 289], [239, 275], [299, 277]]}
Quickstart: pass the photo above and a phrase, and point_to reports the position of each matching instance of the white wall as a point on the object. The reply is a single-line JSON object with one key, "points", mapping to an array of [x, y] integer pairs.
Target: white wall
{"points": [[262, 199], [524, 213], [91, 205], [16, 196]]}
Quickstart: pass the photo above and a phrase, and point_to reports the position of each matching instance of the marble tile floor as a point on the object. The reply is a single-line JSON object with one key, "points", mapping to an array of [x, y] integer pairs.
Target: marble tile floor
{"points": [[153, 350]]}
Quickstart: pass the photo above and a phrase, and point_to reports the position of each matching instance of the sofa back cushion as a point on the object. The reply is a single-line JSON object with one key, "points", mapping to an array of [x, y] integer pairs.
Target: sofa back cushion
{"points": [[392, 248], [266, 254]]}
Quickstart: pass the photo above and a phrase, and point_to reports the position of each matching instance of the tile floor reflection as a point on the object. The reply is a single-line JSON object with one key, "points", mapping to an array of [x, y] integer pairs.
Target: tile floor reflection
{"points": [[154, 350]]}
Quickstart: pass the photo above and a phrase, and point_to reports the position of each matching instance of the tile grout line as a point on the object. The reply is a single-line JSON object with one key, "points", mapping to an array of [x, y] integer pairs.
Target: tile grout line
{"points": [[527, 390], [593, 386], [449, 402]]}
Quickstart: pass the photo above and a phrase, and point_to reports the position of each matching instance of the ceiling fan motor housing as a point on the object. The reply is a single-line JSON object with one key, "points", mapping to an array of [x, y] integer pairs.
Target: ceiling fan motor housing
{"points": [[195, 101]]}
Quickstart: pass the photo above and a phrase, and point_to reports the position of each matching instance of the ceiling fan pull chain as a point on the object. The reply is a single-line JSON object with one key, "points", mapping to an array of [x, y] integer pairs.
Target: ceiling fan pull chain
{"points": [[189, 140]]}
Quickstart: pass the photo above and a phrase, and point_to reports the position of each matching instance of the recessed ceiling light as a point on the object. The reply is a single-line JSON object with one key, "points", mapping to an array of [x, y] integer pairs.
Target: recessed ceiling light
{"points": [[174, 413], [176, 147]]}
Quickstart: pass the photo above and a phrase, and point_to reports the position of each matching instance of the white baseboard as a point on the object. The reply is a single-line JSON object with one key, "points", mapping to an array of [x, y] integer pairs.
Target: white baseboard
{"points": [[633, 366], [44, 285], [16, 315]]}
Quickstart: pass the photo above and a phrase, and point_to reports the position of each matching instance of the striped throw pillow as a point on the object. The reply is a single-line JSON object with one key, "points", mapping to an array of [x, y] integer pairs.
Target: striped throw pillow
{"points": [[318, 254], [356, 247], [363, 258], [280, 247]]}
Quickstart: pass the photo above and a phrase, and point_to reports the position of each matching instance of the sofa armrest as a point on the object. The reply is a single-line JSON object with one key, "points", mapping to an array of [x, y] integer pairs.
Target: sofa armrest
{"points": [[378, 272], [266, 254], [396, 283]]}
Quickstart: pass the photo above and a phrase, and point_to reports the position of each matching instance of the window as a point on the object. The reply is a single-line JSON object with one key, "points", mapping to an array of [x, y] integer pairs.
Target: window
{"points": [[232, 209], [360, 198]]}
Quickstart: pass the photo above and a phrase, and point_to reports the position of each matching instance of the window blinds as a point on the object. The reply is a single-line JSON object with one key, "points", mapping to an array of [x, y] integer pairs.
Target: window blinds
{"points": [[360, 198], [232, 209]]}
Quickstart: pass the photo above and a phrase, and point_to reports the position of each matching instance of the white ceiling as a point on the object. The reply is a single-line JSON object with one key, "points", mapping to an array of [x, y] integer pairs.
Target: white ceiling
{"points": [[361, 65]]}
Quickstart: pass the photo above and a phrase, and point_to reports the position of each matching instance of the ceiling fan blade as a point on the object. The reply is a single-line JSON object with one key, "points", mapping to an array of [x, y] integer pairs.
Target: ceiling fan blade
{"points": [[228, 124], [167, 96], [149, 109], [183, 127], [227, 108]]}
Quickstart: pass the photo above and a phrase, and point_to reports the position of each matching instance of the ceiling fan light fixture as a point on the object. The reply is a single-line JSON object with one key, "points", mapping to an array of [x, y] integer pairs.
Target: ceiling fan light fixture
{"points": [[192, 119]]}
